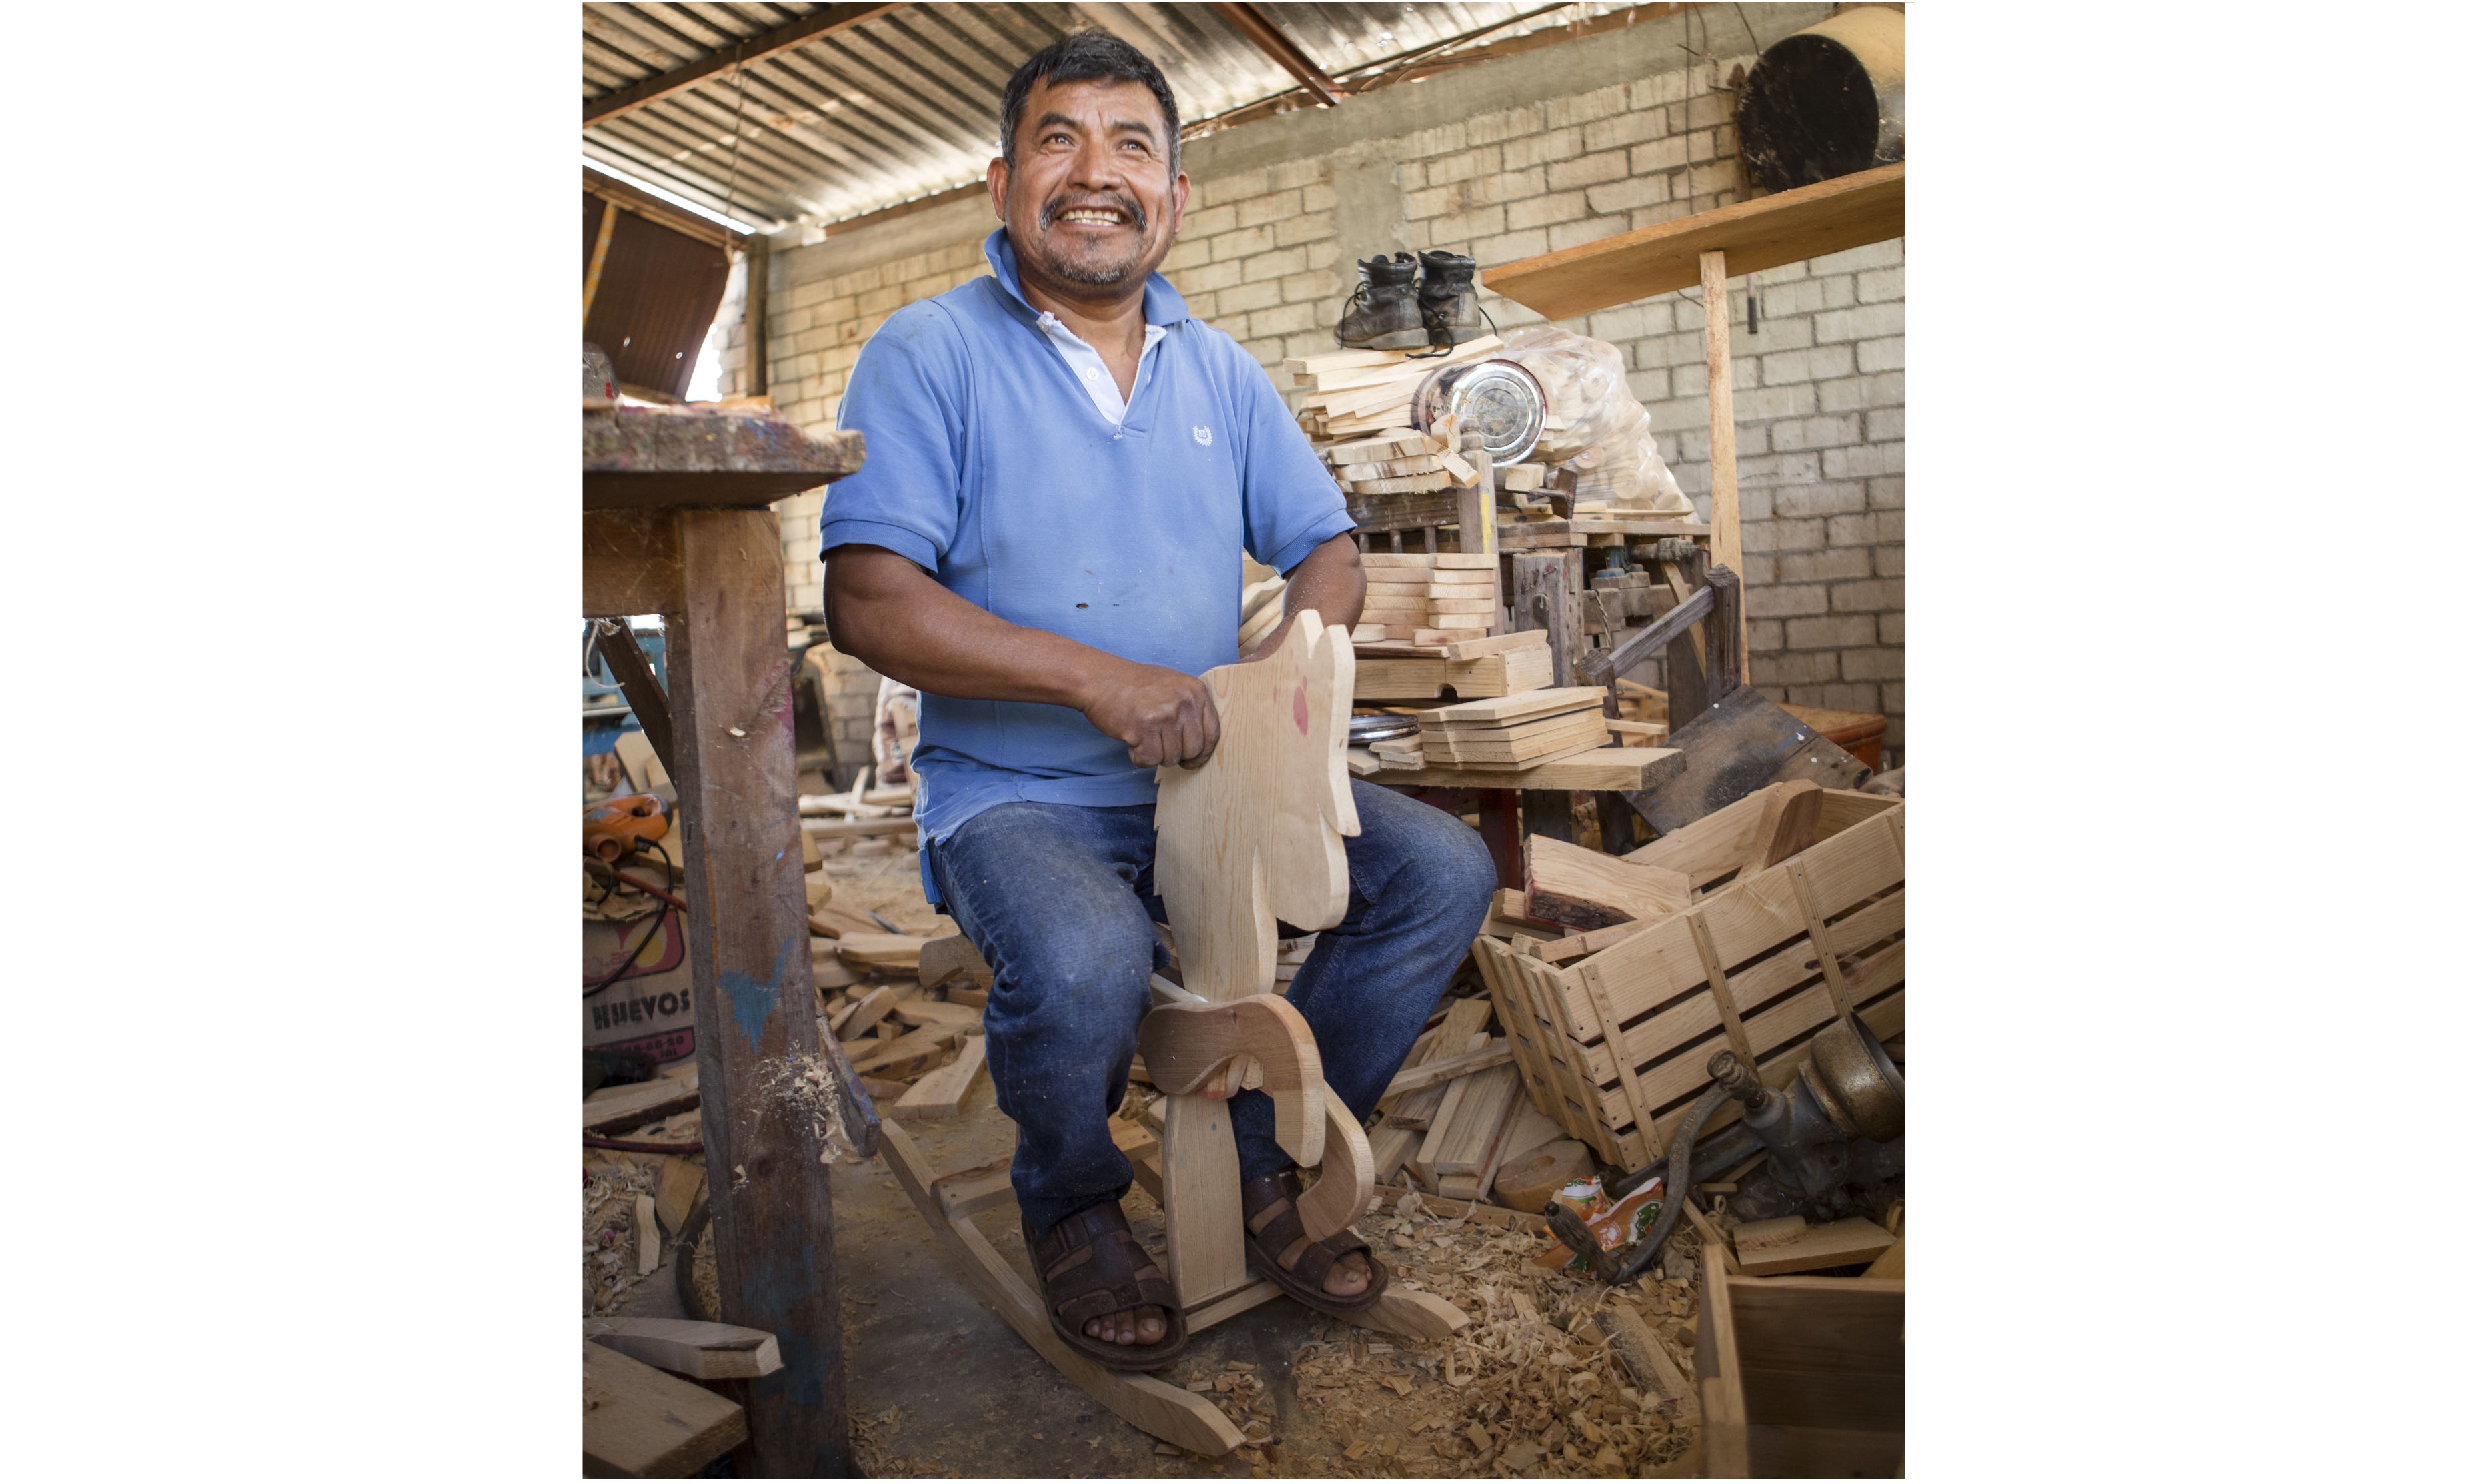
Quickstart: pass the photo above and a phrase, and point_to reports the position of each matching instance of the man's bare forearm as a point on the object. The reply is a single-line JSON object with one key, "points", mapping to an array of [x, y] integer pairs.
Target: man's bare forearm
{"points": [[883, 610], [1331, 581]]}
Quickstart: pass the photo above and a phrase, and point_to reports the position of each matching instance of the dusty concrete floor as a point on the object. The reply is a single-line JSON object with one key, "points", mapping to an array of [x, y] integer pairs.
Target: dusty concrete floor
{"points": [[970, 1398], [938, 1385]]}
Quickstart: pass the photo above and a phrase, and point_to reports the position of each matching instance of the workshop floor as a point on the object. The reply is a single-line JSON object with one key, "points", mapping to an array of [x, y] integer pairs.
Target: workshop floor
{"points": [[938, 1385]]}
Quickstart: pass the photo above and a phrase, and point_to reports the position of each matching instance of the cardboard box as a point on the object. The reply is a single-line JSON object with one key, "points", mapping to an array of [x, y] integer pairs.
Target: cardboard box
{"points": [[649, 1008]]}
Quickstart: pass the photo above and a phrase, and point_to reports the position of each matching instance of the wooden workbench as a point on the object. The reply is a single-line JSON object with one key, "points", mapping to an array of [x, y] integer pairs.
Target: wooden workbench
{"points": [[677, 522]]}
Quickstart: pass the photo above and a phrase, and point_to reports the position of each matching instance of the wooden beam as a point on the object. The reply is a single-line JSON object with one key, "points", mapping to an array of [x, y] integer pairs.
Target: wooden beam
{"points": [[1728, 537], [753, 1001], [1251, 24], [596, 262], [1846, 212], [725, 61]]}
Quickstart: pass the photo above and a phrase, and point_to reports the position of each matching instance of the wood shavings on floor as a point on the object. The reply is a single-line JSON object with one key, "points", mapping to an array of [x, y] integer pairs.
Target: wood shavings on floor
{"points": [[1528, 1391], [610, 1243]]}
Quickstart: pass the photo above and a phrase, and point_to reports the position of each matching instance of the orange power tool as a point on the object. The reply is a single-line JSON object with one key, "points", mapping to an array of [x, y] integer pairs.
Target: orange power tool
{"points": [[617, 827]]}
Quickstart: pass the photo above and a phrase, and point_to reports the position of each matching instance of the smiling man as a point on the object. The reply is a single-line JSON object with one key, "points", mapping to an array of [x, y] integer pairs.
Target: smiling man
{"points": [[1062, 464]]}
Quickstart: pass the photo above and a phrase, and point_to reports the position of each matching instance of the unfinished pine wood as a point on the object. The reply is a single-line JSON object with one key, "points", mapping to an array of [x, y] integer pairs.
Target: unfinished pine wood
{"points": [[906, 1048], [1338, 1194], [1597, 769], [889, 953], [699, 1349], [1390, 1148], [1745, 919], [641, 1423], [1448, 1042], [941, 960], [1581, 732], [1495, 1053], [1633, 1343], [1811, 221], [1205, 1225], [1558, 950], [876, 1003], [1728, 549], [1421, 1165], [679, 1180], [1585, 890], [1845, 809], [1423, 1108], [1528, 1183], [951, 1018], [1254, 834], [1408, 1312], [944, 1090], [1833, 1244], [634, 1103], [1792, 809], [1153, 1406], [1719, 1378], [1469, 1137], [1184, 1045], [1510, 710]]}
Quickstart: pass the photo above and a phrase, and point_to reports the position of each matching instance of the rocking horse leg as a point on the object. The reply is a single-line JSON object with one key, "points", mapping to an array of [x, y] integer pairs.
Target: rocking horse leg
{"points": [[1157, 1409]]}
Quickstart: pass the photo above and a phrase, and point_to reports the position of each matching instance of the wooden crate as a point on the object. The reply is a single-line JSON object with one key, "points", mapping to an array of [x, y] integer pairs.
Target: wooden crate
{"points": [[1748, 942], [1799, 1378]]}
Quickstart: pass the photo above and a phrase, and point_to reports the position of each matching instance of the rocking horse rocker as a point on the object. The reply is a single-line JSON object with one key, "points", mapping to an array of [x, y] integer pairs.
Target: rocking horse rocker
{"points": [[1250, 836]]}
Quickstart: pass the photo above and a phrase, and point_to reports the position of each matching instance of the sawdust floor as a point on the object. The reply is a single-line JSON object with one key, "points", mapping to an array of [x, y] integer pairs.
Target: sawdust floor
{"points": [[938, 1385]]}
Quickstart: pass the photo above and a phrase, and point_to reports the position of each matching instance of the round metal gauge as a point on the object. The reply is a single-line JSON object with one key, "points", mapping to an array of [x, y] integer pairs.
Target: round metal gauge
{"points": [[1496, 398]]}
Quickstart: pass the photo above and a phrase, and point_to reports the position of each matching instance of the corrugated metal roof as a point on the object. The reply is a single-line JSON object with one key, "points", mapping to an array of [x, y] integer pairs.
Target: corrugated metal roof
{"points": [[903, 105]]}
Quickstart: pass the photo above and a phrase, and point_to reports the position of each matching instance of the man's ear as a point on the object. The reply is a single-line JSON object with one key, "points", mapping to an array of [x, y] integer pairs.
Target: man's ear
{"points": [[1182, 195], [998, 185]]}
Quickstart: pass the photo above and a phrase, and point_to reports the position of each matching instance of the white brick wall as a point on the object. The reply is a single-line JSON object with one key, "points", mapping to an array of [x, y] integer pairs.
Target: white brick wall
{"points": [[1818, 390]]}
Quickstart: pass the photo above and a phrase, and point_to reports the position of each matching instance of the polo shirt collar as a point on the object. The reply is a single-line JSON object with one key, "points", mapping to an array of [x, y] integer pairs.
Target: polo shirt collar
{"points": [[1160, 304]]}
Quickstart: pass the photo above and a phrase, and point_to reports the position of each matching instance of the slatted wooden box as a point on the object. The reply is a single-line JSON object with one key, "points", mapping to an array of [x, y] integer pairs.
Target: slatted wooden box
{"points": [[1800, 1378], [1660, 992]]}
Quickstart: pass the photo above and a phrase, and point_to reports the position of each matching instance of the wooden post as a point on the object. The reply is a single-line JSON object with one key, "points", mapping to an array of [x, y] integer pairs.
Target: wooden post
{"points": [[1547, 595], [596, 263], [638, 681], [753, 1004], [755, 315], [1727, 539], [1725, 633]]}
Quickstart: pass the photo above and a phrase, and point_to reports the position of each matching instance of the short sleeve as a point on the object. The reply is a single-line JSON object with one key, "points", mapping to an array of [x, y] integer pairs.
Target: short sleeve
{"points": [[1292, 504], [908, 397]]}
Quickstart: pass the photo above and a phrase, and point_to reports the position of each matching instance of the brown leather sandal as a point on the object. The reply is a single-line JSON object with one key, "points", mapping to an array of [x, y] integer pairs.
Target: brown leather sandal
{"points": [[1277, 1248], [1092, 1266]]}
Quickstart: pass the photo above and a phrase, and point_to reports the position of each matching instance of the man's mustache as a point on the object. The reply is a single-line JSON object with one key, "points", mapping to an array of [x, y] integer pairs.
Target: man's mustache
{"points": [[1131, 209]]}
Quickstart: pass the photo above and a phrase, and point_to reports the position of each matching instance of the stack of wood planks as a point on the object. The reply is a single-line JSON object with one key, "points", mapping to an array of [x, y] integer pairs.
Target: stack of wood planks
{"points": [[1458, 1123], [1431, 598], [1356, 409], [1515, 731]]}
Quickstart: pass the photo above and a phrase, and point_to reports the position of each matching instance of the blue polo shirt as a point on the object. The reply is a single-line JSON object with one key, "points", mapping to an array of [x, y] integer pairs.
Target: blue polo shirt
{"points": [[989, 465]]}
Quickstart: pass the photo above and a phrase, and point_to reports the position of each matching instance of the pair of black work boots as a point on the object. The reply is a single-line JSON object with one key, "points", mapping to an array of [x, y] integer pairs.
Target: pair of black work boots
{"points": [[1393, 310]]}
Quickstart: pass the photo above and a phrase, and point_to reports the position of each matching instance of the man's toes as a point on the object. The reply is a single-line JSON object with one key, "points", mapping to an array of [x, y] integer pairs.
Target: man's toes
{"points": [[1152, 1326], [1347, 1277]]}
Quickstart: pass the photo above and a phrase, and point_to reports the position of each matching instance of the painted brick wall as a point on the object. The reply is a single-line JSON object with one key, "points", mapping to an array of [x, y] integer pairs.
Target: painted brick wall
{"points": [[1504, 161]]}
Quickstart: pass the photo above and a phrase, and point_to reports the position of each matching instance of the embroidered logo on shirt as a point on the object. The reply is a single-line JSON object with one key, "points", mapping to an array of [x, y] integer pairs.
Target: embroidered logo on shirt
{"points": [[1201, 434]]}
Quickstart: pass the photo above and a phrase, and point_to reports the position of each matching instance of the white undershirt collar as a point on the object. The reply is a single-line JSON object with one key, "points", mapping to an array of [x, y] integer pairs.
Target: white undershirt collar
{"points": [[1090, 368]]}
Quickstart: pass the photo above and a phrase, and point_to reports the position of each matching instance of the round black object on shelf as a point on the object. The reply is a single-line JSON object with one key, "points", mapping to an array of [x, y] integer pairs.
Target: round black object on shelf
{"points": [[1826, 102]]}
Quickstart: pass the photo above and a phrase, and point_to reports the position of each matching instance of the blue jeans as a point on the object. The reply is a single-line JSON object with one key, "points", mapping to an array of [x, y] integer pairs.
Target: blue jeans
{"points": [[1058, 899]]}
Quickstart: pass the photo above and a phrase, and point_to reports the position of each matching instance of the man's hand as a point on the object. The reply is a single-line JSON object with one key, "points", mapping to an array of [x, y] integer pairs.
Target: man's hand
{"points": [[1162, 715]]}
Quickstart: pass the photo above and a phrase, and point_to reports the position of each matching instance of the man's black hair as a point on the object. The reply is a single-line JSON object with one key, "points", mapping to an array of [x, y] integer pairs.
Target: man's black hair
{"points": [[1089, 56]]}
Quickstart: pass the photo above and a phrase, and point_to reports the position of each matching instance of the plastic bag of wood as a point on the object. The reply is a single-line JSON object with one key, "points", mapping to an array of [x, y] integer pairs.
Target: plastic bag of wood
{"points": [[1596, 428]]}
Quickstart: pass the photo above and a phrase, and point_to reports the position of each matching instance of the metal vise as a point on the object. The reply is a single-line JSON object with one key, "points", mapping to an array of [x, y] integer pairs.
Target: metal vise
{"points": [[1847, 1090]]}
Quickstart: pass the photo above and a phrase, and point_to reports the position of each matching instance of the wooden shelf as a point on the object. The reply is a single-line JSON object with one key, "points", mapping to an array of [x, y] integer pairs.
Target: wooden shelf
{"points": [[1766, 232]]}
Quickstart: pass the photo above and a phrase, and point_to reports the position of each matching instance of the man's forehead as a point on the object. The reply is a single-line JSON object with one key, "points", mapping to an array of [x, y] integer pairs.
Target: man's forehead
{"points": [[1114, 104]]}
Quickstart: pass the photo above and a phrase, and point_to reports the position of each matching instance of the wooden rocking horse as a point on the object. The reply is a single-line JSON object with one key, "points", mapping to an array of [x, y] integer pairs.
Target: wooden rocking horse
{"points": [[1250, 836]]}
